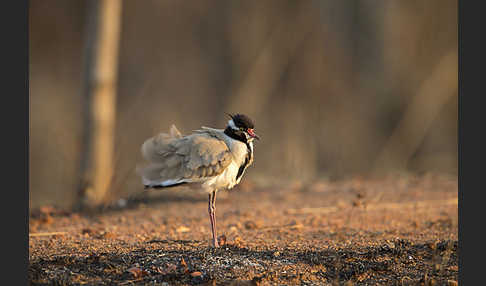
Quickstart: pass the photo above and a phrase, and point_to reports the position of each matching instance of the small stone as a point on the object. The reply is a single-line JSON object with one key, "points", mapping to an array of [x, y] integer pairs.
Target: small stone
{"points": [[121, 203]]}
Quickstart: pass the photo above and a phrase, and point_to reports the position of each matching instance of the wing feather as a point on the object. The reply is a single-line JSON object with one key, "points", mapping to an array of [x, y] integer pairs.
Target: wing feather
{"points": [[173, 157]]}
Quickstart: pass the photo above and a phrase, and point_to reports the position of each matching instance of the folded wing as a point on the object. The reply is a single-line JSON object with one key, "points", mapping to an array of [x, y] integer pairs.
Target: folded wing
{"points": [[175, 159]]}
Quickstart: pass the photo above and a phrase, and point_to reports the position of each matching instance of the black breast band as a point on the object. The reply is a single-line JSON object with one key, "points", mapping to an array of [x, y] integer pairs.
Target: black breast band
{"points": [[243, 166]]}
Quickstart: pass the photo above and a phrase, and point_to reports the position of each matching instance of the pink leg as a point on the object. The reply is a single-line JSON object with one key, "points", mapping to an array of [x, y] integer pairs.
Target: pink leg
{"points": [[212, 216]]}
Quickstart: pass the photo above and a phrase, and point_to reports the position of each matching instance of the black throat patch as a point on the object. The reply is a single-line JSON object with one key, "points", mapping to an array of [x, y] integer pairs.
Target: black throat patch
{"points": [[236, 134], [240, 136]]}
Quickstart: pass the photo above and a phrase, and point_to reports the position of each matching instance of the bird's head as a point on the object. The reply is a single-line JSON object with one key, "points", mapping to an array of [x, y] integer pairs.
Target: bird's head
{"points": [[242, 126]]}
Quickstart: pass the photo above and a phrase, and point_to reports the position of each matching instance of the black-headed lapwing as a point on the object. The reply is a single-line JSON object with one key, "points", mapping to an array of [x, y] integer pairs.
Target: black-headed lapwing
{"points": [[213, 159]]}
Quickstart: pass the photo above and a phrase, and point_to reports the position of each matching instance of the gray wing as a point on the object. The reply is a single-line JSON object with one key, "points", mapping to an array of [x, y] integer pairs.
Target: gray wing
{"points": [[174, 158]]}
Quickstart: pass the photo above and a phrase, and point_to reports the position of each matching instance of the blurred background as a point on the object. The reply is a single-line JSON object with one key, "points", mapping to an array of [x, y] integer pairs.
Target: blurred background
{"points": [[336, 88]]}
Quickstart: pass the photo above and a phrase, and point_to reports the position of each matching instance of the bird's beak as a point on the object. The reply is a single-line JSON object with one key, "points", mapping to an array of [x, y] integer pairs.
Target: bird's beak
{"points": [[253, 135]]}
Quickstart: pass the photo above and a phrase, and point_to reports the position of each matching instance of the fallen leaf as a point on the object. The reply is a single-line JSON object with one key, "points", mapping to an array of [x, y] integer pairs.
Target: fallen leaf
{"points": [[196, 274], [46, 219], [183, 229], [183, 262], [184, 265], [362, 277], [108, 235], [252, 224], [47, 210], [58, 235], [295, 225], [222, 240], [453, 268], [87, 231], [137, 272], [158, 270]]}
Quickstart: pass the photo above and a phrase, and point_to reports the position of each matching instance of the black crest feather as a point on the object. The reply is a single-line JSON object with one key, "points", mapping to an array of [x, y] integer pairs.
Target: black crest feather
{"points": [[242, 120]]}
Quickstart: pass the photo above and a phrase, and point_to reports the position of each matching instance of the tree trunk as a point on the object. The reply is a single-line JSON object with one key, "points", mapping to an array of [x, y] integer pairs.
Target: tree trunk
{"points": [[100, 100]]}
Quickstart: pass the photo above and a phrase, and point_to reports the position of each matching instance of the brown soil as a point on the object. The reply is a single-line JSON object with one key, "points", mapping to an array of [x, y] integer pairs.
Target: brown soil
{"points": [[393, 231]]}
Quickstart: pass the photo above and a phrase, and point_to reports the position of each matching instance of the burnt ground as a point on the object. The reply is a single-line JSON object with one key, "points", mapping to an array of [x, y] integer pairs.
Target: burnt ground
{"points": [[398, 230]]}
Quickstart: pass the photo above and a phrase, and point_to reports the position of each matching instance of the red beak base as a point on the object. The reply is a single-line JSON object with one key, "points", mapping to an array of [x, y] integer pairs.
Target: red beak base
{"points": [[252, 134]]}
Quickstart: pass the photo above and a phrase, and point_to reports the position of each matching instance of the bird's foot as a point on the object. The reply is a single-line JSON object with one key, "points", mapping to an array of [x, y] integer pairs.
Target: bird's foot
{"points": [[220, 241]]}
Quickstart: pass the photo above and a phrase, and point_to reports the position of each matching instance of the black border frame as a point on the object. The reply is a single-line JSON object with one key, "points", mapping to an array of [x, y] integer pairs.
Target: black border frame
{"points": [[15, 115], [470, 140], [14, 119]]}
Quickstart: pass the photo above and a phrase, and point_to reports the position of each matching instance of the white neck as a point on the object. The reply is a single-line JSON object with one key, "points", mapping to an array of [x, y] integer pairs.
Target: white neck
{"points": [[250, 143]]}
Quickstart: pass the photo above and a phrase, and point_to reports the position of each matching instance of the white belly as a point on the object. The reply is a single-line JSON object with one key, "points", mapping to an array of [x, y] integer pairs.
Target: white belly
{"points": [[225, 180]]}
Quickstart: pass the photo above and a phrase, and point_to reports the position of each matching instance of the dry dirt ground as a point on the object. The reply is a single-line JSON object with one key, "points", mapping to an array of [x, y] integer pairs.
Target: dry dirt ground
{"points": [[399, 230]]}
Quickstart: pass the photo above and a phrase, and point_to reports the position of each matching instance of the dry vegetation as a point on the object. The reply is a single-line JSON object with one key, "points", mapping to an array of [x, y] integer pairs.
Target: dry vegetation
{"points": [[399, 230]]}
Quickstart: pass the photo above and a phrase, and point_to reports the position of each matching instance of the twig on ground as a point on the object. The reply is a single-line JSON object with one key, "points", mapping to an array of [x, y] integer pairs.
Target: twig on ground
{"points": [[47, 233]]}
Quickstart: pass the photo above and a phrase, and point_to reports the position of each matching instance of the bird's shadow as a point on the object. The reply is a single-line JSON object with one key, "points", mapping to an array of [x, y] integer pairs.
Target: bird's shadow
{"points": [[140, 199]]}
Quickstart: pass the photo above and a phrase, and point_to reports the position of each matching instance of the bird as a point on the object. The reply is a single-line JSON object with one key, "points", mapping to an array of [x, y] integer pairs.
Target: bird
{"points": [[209, 159]]}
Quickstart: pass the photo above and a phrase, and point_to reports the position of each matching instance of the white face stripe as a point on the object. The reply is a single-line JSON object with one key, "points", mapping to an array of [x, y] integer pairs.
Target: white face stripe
{"points": [[231, 123]]}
